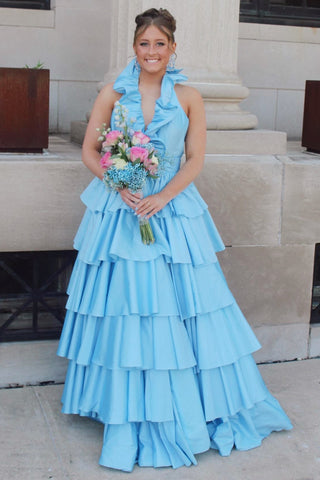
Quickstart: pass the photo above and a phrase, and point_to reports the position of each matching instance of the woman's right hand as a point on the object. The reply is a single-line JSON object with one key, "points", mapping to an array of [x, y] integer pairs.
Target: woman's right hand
{"points": [[131, 199]]}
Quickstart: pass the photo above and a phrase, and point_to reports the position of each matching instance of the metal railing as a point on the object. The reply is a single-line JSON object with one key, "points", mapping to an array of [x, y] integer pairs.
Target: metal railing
{"points": [[33, 293]]}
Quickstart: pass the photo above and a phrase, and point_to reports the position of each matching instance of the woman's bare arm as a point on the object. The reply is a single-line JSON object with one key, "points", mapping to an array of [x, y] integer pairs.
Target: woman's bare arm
{"points": [[101, 113]]}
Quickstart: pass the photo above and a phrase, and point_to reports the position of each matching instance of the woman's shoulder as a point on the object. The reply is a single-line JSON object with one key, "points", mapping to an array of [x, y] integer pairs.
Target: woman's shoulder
{"points": [[105, 101], [187, 93], [188, 96], [108, 92]]}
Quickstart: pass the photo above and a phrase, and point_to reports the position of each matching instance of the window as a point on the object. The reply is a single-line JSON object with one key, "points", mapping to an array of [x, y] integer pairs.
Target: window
{"points": [[35, 4], [315, 308], [281, 12], [33, 294]]}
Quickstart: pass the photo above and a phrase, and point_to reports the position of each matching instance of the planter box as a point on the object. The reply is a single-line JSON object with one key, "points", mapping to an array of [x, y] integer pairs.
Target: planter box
{"points": [[24, 109], [311, 117]]}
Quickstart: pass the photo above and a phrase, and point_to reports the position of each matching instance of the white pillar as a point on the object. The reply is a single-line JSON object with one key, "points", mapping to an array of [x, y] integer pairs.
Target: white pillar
{"points": [[207, 49]]}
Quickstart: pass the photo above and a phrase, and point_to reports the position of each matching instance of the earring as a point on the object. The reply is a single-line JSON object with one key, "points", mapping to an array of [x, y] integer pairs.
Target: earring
{"points": [[136, 65], [172, 63]]}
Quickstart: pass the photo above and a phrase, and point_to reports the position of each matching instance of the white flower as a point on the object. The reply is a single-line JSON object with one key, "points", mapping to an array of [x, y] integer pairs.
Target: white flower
{"points": [[119, 163], [123, 145], [154, 160]]}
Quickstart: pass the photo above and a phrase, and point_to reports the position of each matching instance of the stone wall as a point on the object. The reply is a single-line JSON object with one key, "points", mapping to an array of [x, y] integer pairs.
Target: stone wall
{"points": [[70, 40], [274, 63], [40, 207], [267, 209]]}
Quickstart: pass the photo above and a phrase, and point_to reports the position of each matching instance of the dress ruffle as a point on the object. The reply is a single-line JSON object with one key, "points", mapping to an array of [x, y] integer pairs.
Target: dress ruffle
{"points": [[139, 342], [110, 230], [158, 348]]}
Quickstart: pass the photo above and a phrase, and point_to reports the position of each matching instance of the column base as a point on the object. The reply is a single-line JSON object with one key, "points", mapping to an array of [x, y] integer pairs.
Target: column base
{"points": [[222, 105]]}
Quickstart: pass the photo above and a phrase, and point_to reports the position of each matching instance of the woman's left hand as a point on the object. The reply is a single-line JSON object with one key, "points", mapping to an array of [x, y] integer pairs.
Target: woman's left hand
{"points": [[150, 205]]}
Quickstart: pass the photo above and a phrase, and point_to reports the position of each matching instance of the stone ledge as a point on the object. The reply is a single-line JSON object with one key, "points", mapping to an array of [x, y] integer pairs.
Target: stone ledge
{"points": [[282, 342], [20, 17], [229, 184], [278, 33], [40, 207], [31, 363], [246, 142], [300, 204]]}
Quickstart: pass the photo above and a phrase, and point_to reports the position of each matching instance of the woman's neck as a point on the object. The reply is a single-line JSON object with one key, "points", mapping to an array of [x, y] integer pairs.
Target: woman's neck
{"points": [[150, 80]]}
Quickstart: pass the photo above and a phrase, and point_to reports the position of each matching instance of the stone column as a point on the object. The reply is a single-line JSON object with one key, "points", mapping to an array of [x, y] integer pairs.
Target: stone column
{"points": [[207, 49]]}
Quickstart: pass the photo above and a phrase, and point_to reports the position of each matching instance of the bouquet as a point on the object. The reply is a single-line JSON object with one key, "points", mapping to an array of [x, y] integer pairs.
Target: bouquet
{"points": [[128, 158]]}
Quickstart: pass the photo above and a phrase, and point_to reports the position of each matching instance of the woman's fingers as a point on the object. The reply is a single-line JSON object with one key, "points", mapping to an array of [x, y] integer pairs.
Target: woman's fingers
{"points": [[131, 199], [145, 207], [150, 205]]}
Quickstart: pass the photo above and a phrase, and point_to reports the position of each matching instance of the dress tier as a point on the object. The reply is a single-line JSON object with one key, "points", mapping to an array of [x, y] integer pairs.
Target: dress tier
{"points": [[159, 350]]}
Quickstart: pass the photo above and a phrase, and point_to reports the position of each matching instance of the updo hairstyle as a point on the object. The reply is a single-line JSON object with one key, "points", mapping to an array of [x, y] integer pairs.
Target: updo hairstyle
{"points": [[162, 19]]}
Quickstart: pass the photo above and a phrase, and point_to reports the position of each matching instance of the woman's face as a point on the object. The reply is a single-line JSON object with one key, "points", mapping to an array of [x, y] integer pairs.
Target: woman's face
{"points": [[153, 50]]}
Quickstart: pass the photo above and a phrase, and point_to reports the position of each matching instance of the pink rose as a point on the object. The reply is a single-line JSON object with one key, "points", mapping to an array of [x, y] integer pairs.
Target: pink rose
{"points": [[140, 138], [151, 164], [152, 169], [106, 161], [112, 138], [138, 153]]}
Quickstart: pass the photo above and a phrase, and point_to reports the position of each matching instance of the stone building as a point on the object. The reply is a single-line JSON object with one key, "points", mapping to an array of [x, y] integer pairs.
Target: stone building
{"points": [[264, 197]]}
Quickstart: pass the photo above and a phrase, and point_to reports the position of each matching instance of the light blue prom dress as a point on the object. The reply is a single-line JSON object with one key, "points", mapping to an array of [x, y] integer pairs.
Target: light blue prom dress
{"points": [[159, 350]]}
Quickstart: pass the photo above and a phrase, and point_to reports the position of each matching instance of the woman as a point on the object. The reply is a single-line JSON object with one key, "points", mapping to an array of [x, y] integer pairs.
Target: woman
{"points": [[159, 350]]}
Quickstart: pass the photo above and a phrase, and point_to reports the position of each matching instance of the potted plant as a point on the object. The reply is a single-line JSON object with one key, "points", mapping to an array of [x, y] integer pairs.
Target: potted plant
{"points": [[24, 109]]}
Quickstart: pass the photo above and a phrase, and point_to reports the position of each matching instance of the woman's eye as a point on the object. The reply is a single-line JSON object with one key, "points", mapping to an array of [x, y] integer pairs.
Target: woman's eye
{"points": [[146, 44]]}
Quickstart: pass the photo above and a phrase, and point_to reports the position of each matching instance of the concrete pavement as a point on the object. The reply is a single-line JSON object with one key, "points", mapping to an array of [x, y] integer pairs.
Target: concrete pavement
{"points": [[37, 442]]}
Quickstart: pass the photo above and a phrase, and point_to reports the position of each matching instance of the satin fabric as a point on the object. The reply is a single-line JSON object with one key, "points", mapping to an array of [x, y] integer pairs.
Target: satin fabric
{"points": [[159, 350]]}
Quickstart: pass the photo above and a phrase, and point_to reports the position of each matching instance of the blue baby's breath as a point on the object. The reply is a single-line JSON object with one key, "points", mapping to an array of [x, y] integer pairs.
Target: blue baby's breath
{"points": [[132, 176]]}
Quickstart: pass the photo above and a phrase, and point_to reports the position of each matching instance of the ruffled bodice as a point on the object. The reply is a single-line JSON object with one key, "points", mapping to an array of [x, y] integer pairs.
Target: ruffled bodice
{"points": [[167, 132], [169, 125]]}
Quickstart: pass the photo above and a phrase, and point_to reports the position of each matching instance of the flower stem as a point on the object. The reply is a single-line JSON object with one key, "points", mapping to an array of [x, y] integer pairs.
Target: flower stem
{"points": [[146, 232]]}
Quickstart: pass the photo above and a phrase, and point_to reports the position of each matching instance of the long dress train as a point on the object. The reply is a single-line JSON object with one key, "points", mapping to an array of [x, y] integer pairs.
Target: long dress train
{"points": [[159, 350]]}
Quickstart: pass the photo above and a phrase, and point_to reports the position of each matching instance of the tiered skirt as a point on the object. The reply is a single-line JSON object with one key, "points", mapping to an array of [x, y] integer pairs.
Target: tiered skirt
{"points": [[159, 350]]}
